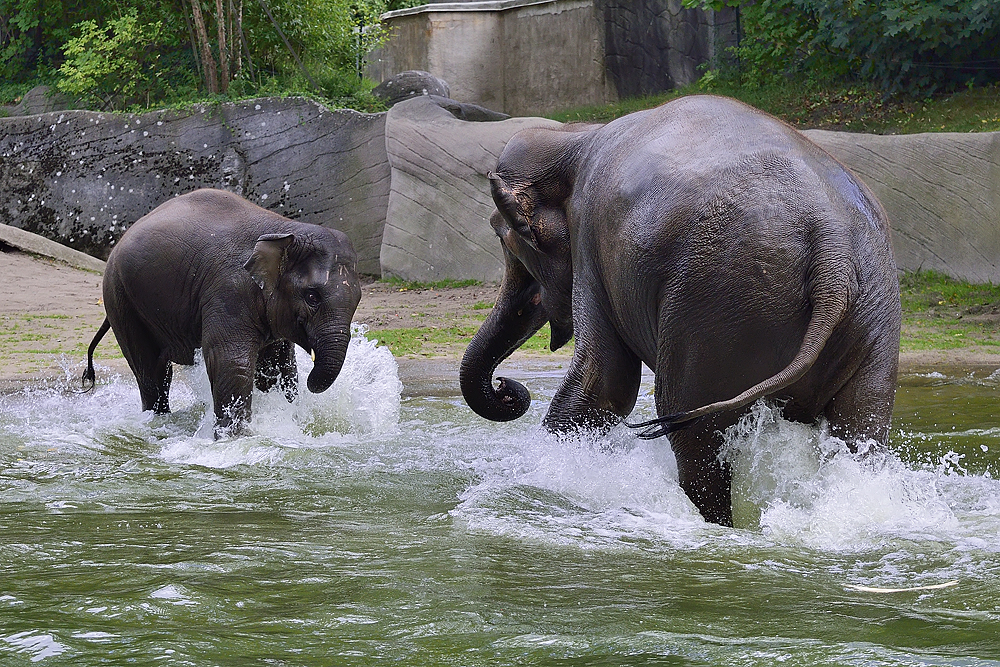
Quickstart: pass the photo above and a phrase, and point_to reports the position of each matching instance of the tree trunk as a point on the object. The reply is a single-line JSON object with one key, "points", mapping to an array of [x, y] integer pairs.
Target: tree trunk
{"points": [[207, 59], [220, 22], [194, 41]]}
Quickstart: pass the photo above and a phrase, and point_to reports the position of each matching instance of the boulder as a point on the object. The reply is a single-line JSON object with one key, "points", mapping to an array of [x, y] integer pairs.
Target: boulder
{"points": [[81, 178], [40, 99], [941, 192], [437, 225], [411, 83]]}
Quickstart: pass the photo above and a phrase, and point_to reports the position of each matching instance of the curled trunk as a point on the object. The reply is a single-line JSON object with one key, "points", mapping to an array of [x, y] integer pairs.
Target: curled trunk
{"points": [[517, 315]]}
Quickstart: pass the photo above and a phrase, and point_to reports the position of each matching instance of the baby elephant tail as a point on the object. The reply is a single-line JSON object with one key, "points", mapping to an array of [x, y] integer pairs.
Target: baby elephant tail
{"points": [[89, 377], [827, 314]]}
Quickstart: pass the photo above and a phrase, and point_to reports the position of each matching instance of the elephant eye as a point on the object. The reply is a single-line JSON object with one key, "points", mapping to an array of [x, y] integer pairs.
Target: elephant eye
{"points": [[313, 298]]}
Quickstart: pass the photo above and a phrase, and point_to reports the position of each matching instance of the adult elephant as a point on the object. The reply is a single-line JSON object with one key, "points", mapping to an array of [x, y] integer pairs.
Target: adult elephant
{"points": [[210, 270], [716, 245]]}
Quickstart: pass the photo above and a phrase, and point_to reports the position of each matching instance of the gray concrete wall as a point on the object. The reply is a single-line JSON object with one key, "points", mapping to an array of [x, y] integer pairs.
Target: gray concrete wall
{"points": [[81, 178], [656, 45], [516, 56], [527, 57]]}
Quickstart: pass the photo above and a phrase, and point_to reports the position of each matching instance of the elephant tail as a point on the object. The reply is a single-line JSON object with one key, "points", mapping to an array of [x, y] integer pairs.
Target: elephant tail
{"points": [[828, 312], [89, 376]]}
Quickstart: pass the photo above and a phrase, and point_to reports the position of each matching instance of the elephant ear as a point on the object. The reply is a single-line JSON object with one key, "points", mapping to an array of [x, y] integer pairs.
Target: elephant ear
{"points": [[515, 206], [267, 259]]}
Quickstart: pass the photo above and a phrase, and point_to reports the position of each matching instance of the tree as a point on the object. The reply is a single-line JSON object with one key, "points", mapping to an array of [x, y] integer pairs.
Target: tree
{"points": [[911, 46], [259, 46], [115, 65]]}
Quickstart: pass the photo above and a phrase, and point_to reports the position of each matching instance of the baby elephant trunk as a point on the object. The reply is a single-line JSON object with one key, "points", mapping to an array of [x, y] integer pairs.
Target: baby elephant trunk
{"points": [[330, 349]]}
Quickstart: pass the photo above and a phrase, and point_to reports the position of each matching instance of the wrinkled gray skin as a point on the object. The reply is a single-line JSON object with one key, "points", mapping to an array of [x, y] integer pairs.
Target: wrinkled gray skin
{"points": [[712, 243], [210, 270]]}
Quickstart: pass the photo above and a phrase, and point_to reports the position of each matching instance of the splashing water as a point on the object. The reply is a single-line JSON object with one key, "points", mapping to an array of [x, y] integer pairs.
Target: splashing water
{"points": [[806, 485], [357, 525]]}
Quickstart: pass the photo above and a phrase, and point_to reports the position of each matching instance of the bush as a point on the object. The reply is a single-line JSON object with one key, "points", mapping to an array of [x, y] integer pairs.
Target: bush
{"points": [[912, 46], [118, 65]]}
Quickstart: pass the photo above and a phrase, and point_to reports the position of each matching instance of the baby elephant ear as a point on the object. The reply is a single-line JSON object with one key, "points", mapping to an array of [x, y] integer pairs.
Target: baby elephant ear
{"points": [[267, 259]]}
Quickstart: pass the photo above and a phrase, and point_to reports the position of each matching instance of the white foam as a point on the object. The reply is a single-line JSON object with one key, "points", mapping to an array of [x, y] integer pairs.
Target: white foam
{"points": [[795, 485], [808, 487], [363, 401], [585, 490]]}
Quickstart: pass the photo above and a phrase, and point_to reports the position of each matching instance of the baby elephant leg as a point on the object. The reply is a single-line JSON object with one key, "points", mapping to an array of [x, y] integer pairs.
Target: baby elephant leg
{"points": [[276, 366], [150, 365], [231, 374]]}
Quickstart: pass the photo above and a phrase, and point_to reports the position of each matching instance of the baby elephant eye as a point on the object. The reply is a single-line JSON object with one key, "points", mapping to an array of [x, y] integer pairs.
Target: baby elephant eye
{"points": [[313, 297]]}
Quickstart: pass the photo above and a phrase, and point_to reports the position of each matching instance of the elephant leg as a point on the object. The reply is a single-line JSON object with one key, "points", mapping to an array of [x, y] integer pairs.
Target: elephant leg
{"points": [[231, 373], [860, 412], [150, 365], [276, 366], [602, 383], [705, 478]]}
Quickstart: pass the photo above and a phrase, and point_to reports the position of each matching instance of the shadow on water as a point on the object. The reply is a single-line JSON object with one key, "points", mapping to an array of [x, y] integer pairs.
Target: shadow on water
{"points": [[383, 521]]}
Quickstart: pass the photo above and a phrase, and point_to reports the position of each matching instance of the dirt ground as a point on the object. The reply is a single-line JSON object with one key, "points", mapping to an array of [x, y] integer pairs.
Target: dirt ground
{"points": [[49, 313]]}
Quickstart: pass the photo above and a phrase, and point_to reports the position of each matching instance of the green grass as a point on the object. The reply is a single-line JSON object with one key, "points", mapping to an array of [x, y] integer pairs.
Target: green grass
{"points": [[941, 313], [440, 284], [450, 340], [32, 340], [921, 291], [851, 108]]}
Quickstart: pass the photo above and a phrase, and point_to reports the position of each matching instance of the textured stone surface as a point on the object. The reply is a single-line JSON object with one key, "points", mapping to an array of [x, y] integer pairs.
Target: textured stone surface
{"points": [[81, 178], [942, 194], [439, 204], [411, 83]]}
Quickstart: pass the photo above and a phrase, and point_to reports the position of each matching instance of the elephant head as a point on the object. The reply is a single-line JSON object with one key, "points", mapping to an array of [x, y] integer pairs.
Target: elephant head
{"points": [[530, 186], [311, 290]]}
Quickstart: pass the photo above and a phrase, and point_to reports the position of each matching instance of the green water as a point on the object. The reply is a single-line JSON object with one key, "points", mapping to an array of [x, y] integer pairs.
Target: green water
{"points": [[361, 527]]}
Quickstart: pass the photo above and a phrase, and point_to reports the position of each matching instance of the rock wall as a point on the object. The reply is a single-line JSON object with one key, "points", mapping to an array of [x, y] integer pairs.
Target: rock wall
{"points": [[437, 225], [81, 178], [941, 192], [409, 186]]}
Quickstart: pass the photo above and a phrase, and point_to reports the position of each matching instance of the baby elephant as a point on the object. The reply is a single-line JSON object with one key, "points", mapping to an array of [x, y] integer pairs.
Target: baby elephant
{"points": [[211, 270]]}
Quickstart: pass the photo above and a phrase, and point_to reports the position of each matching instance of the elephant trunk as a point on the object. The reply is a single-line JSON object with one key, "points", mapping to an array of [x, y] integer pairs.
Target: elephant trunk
{"points": [[330, 349], [517, 315]]}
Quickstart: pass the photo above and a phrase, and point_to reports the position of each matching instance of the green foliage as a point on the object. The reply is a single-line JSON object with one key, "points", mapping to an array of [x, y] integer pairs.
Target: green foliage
{"points": [[916, 47], [330, 38], [123, 53], [393, 5], [118, 65]]}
